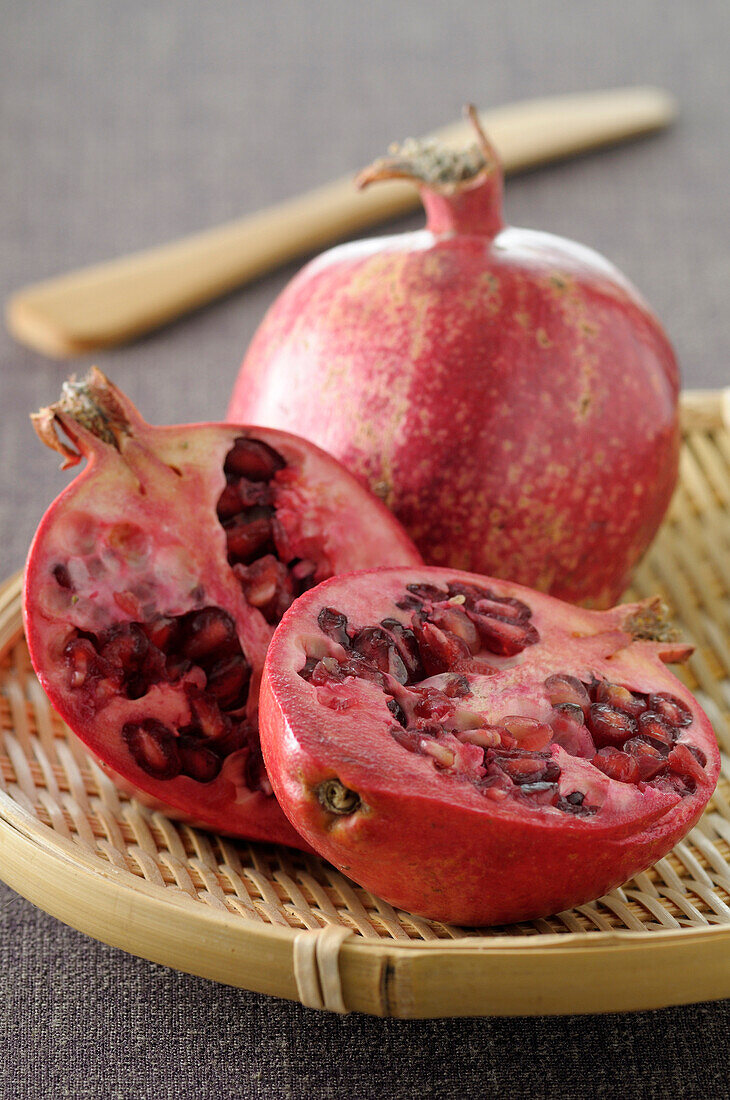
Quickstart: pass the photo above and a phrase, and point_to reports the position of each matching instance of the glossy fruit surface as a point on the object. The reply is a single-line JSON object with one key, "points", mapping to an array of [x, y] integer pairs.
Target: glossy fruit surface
{"points": [[477, 752], [154, 584], [506, 392]]}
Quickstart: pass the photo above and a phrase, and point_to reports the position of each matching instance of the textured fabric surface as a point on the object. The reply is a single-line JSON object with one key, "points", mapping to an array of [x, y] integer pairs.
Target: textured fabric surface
{"points": [[125, 124]]}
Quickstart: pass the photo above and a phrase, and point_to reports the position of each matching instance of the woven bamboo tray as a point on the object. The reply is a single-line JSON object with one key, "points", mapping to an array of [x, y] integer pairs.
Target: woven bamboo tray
{"points": [[276, 921]]}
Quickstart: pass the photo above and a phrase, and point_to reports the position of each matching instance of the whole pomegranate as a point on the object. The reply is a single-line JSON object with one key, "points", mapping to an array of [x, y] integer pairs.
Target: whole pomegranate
{"points": [[506, 393], [477, 752], [154, 584]]}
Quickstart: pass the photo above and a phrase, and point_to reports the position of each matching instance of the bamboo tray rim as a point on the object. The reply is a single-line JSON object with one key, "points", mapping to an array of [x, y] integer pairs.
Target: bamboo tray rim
{"points": [[50, 848], [54, 872]]}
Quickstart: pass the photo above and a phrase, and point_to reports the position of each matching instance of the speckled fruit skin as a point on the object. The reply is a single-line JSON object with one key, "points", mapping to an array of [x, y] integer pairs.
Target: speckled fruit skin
{"points": [[506, 392], [435, 845], [138, 526]]}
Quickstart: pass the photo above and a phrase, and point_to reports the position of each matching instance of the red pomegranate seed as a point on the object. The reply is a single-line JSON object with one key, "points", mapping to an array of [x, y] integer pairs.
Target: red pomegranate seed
{"points": [[657, 728], [248, 534], [198, 761], [562, 688], [610, 726], [407, 645], [380, 650], [504, 607], [439, 649], [206, 716], [81, 658], [162, 632], [451, 618], [261, 580], [154, 748], [686, 760], [334, 625], [433, 704], [228, 682], [617, 765], [428, 592], [504, 638], [619, 698], [671, 709], [125, 646], [528, 732], [488, 737], [570, 732], [252, 459], [648, 758], [208, 634]]}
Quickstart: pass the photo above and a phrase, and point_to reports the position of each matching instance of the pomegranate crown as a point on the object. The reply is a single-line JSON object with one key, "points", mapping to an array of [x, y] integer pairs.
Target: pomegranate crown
{"points": [[461, 189], [429, 162], [91, 408]]}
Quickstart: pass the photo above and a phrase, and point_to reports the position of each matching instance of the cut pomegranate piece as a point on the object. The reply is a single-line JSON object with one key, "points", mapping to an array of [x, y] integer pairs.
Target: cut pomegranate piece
{"points": [[474, 792], [155, 581]]}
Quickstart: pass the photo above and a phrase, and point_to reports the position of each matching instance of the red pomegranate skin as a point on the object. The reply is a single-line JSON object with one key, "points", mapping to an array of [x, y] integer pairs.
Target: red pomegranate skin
{"points": [[506, 392], [138, 543], [428, 833]]}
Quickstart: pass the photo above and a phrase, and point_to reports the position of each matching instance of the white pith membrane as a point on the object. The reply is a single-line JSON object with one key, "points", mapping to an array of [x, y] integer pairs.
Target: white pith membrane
{"points": [[154, 584], [567, 718]]}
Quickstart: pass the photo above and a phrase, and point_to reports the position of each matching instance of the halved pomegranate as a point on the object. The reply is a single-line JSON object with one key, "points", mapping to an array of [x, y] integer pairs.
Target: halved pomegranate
{"points": [[156, 579], [477, 752]]}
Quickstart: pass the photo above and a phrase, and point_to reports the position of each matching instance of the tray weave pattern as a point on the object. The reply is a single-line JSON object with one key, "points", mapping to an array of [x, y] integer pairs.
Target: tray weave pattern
{"points": [[45, 773]]}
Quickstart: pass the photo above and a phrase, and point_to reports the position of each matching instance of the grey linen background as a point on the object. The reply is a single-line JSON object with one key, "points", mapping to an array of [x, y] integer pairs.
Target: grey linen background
{"points": [[126, 124]]}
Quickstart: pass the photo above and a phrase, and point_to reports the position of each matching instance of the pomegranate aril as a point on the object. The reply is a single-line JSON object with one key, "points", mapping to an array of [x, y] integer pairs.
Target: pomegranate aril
{"points": [[81, 658], [433, 704], [154, 748], [197, 761], [405, 640], [528, 732], [439, 649], [124, 646], [490, 737], [528, 769], [206, 715], [248, 534], [397, 711], [648, 758], [379, 649], [162, 632], [671, 709], [326, 670], [451, 618], [266, 581], [684, 761], [562, 688], [228, 682], [617, 765], [504, 607], [610, 726], [334, 625], [570, 732], [207, 634], [428, 592], [470, 592], [657, 728], [504, 638], [619, 698], [361, 668], [253, 459]]}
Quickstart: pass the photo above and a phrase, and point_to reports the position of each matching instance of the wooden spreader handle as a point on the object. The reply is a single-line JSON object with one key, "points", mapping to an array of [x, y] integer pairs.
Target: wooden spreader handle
{"points": [[115, 302]]}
